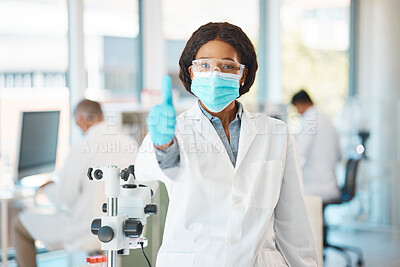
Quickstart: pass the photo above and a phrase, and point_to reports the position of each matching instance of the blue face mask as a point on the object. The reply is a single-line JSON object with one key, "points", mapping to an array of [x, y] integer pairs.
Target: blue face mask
{"points": [[216, 91]]}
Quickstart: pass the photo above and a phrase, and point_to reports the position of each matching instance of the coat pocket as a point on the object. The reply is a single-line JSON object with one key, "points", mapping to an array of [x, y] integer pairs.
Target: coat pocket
{"points": [[267, 183], [271, 258], [178, 259]]}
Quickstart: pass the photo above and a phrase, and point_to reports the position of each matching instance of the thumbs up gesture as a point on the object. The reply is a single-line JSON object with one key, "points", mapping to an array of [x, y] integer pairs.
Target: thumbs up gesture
{"points": [[162, 118]]}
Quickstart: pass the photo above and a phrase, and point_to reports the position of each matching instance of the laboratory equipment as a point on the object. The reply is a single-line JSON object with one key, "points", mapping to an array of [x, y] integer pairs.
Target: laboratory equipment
{"points": [[128, 206], [361, 148]]}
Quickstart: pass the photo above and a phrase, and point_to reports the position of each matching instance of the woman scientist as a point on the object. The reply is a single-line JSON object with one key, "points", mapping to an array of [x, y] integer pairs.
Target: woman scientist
{"points": [[233, 177]]}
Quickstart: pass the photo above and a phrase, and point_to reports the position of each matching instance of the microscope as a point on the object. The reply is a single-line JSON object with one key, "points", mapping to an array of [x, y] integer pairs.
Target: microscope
{"points": [[127, 208]]}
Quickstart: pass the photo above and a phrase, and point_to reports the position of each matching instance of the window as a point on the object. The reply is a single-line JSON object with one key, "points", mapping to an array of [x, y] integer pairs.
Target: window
{"points": [[181, 18], [111, 49], [33, 67], [315, 43], [34, 46]]}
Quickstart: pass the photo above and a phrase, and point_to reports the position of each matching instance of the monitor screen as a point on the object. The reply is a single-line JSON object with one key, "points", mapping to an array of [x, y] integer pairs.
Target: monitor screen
{"points": [[37, 143]]}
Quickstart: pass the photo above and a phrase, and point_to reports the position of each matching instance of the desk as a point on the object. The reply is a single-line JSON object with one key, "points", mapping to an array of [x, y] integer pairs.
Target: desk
{"points": [[6, 196]]}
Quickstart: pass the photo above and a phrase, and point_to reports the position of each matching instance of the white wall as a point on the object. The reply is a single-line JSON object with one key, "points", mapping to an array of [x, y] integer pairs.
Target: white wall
{"points": [[154, 65], [379, 93]]}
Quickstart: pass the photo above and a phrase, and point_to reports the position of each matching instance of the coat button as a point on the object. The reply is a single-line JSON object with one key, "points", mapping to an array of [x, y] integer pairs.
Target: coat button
{"points": [[236, 199], [232, 240]]}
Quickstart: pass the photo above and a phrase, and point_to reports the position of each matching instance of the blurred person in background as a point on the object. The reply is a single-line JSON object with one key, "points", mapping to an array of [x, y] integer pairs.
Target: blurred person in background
{"points": [[318, 147], [102, 145]]}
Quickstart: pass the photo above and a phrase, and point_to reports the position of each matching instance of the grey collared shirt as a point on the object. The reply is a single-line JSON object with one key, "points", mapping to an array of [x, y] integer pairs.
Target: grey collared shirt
{"points": [[170, 157]]}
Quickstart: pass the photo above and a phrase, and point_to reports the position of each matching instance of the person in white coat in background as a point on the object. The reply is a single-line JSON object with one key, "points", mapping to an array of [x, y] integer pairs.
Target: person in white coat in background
{"points": [[319, 149], [102, 145], [233, 177]]}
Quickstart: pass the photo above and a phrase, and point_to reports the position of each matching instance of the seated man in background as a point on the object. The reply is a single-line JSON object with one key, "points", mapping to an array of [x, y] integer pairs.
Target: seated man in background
{"points": [[102, 145], [319, 149]]}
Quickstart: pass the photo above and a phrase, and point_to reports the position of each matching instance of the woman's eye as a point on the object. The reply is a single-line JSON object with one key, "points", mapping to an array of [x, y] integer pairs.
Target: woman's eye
{"points": [[228, 67], [205, 66]]}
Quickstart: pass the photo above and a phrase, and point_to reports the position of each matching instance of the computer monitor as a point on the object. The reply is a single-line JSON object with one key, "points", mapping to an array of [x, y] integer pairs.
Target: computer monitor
{"points": [[37, 143]]}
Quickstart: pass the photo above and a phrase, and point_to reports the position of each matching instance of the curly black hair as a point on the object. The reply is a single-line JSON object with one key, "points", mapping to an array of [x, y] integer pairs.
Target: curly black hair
{"points": [[228, 33]]}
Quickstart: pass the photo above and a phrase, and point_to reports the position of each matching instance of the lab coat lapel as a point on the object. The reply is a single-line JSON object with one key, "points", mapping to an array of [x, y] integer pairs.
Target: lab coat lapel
{"points": [[202, 125], [248, 132]]}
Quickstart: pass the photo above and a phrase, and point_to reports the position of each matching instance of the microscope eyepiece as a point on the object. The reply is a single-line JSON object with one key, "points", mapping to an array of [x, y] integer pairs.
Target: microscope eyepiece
{"points": [[98, 174], [89, 173], [125, 174]]}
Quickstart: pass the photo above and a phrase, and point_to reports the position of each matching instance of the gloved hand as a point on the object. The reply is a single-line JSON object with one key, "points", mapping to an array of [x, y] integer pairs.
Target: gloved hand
{"points": [[162, 118]]}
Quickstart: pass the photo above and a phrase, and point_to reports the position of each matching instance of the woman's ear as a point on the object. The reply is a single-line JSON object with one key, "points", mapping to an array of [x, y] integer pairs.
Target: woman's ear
{"points": [[190, 72], [243, 79]]}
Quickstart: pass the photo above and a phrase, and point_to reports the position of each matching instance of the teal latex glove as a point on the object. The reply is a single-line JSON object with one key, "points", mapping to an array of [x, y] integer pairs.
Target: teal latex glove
{"points": [[162, 118]]}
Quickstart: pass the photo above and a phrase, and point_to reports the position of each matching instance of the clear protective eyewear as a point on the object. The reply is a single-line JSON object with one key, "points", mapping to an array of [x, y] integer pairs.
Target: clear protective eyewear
{"points": [[224, 66]]}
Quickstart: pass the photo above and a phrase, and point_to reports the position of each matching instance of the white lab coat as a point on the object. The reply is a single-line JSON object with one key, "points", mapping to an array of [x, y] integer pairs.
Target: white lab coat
{"points": [[218, 215], [102, 146], [319, 151]]}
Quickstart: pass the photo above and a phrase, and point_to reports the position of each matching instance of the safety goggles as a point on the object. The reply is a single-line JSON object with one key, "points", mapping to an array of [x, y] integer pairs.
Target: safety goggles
{"points": [[209, 65]]}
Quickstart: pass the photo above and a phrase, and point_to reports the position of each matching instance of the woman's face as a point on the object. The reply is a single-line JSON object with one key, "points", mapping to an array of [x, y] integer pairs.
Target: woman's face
{"points": [[220, 50]]}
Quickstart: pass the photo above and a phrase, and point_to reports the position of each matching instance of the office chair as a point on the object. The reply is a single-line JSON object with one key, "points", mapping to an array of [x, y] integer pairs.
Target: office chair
{"points": [[348, 192]]}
